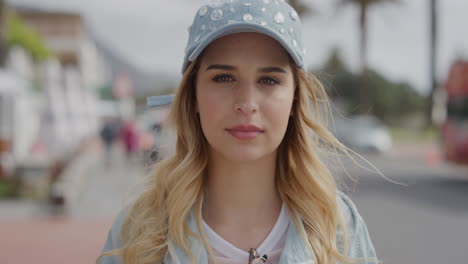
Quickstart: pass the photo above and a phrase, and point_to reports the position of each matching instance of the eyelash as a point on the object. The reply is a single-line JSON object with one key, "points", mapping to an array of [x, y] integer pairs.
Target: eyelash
{"points": [[224, 77], [221, 78]]}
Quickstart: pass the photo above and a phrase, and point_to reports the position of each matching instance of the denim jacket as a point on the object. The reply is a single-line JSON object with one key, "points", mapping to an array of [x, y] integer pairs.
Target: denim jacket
{"points": [[295, 250]]}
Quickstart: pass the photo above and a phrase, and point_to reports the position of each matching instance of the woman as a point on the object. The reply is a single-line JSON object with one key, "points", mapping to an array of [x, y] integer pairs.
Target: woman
{"points": [[245, 184]]}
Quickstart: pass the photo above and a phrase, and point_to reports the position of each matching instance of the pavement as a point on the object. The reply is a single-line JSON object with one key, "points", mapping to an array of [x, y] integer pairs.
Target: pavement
{"points": [[52, 240], [95, 190], [428, 152]]}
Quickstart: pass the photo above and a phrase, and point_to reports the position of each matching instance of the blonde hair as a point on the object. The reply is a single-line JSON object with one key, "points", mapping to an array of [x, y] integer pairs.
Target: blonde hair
{"points": [[158, 217]]}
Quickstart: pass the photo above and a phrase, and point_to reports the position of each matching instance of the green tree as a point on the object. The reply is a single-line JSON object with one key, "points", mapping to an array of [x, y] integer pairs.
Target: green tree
{"points": [[18, 33], [390, 100], [2, 34], [363, 6], [339, 81]]}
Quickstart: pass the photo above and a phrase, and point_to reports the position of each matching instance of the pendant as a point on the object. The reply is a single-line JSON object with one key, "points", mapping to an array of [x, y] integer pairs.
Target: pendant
{"points": [[254, 258]]}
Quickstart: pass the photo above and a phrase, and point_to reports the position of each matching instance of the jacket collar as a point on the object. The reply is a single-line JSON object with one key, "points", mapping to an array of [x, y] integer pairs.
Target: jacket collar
{"points": [[296, 250]]}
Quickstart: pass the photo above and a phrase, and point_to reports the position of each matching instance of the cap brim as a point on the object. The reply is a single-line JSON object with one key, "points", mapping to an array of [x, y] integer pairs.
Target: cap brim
{"points": [[242, 27]]}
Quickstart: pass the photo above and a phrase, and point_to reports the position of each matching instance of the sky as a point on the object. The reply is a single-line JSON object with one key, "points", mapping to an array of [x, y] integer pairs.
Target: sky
{"points": [[152, 34]]}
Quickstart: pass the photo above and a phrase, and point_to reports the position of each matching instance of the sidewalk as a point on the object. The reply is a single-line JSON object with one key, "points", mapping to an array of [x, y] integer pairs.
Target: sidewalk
{"points": [[52, 241], [71, 182], [420, 152], [20, 209], [30, 234], [79, 170]]}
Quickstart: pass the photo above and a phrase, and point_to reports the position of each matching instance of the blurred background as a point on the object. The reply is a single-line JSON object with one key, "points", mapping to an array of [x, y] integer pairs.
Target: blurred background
{"points": [[76, 134]]}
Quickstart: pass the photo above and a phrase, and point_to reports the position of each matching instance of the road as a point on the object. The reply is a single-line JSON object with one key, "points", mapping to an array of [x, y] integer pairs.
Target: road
{"points": [[424, 221]]}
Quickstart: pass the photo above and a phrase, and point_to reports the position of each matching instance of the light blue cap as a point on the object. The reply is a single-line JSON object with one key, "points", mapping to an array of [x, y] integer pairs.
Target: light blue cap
{"points": [[274, 18]]}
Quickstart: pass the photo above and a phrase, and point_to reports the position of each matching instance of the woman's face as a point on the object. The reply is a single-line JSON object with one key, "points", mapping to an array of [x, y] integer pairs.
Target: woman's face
{"points": [[245, 90]]}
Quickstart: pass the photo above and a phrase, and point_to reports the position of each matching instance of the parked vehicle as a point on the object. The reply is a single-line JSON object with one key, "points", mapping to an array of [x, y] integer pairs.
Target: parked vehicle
{"points": [[454, 131], [363, 133]]}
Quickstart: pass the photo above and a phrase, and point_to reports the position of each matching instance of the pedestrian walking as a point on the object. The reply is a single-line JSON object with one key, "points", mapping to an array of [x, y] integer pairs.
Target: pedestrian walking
{"points": [[246, 183], [130, 138], [109, 134]]}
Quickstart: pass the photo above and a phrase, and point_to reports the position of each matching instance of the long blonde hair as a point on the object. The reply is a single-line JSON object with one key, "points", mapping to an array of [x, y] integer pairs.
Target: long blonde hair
{"points": [[158, 216]]}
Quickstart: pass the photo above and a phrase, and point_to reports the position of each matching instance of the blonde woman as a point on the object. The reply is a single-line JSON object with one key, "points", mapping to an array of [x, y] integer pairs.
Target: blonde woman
{"points": [[245, 184]]}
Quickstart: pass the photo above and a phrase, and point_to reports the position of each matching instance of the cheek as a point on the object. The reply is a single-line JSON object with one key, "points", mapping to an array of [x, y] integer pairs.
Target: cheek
{"points": [[280, 107], [279, 114], [211, 109]]}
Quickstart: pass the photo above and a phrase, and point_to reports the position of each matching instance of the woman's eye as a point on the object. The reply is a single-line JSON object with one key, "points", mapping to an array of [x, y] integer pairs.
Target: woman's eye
{"points": [[223, 78], [269, 81]]}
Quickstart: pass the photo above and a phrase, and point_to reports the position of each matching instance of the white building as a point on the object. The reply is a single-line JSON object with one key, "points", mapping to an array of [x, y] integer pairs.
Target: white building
{"points": [[76, 76]]}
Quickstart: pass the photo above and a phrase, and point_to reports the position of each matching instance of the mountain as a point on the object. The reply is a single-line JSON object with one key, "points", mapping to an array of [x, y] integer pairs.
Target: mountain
{"points": [[145, 82]]}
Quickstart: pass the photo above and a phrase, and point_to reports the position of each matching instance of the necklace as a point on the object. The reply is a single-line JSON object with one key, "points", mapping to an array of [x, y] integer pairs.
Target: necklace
{"points": [[254, 258]]}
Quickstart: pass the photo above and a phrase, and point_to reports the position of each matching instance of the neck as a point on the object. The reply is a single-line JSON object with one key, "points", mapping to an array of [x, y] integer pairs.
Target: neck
{"points": [[241, 193]]}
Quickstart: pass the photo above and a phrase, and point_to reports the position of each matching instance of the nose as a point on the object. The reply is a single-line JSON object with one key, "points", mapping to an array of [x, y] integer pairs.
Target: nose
{"points": [[246, 108], [245, 102]]}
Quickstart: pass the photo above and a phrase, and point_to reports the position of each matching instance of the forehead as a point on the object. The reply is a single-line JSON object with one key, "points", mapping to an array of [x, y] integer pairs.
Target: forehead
{"points": [[255, 47]]}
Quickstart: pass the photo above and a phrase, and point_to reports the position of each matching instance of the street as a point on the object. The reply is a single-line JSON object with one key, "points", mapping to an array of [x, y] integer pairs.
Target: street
{"points": [[421, 220]]}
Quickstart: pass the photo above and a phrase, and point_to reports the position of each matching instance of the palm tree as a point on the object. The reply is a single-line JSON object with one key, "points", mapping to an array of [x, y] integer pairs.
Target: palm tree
{"points": [[364, 6], [301, 8], [433, 59]]}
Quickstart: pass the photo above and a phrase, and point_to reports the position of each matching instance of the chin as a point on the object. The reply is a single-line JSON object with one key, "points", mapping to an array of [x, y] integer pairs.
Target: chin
{"points": [[243, 157], [243, 154]]}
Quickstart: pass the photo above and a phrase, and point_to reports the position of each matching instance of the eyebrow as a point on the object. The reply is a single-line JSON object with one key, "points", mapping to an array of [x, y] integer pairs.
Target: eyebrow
{"points": [[220, 67], [232, 68], [272, 69]]}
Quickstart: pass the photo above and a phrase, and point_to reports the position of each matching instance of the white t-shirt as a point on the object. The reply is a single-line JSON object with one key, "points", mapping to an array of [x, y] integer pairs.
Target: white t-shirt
{"points": [[272, 246]]}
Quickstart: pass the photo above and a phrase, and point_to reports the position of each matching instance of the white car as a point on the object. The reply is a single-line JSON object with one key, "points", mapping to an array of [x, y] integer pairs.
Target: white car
{"points": [[363, 133]]}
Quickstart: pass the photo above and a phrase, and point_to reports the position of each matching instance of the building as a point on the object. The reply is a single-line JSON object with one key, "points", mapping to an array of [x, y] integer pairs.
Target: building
{"points": [[71, 79], [67, 36]]}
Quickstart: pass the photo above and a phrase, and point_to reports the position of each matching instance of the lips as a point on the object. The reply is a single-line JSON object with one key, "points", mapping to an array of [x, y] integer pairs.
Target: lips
{"points": [[245, 132]]}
